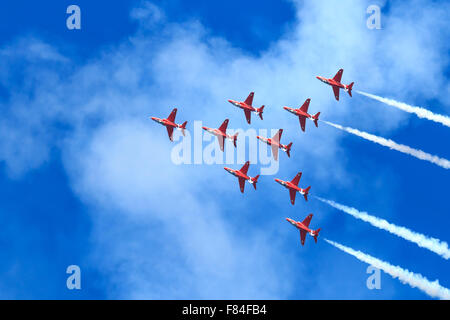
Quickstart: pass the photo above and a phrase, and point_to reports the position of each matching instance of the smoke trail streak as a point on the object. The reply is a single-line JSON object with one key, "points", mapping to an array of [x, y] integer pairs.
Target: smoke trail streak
{"points": [[415, 280], [420, 112], [419, 154], [432, 244]]}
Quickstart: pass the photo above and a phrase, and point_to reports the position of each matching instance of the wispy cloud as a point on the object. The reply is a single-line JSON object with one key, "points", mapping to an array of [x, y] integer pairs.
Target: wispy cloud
{"points": [[151, 216], [419, 154], [435, 245], [415, 280]]}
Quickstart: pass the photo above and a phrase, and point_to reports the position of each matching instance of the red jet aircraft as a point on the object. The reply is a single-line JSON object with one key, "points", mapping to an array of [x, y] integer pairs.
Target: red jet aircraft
{"points": [[302, 114], [293, 187], [247, 107], [221, 134], [304, 228], [242, 176], [336, 84], [275, 144], [170, 124]]}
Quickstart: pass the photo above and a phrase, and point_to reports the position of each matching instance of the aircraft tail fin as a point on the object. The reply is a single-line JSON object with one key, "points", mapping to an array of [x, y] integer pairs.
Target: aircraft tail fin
{"points": [[316, 234], [349, 89], [260, 112], [316, 119], [306, 193], [254, 180], [183, 128], [235, 139], [288, 149]]}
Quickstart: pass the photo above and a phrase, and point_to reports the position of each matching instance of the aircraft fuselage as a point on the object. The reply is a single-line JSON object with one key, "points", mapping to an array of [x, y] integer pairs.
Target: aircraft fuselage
{"points": [[298, 112], [289, 185], [217, 133], [271, 142], [165, 122], [300, 226], [242, 105], [237, 173], [332, 82]]}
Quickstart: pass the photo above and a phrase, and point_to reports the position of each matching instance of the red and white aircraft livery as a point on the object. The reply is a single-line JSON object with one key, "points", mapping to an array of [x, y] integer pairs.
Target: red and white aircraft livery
{"points": [[304, 228], [170, 124], [293, 187], [221, 134], [336, 84], [247, 107], [302, 114], [275, 144], [242, 176]]}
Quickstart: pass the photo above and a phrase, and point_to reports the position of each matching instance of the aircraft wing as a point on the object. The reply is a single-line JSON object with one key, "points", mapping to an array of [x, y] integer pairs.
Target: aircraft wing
{"points": [[296, 178], [338, 75], [248, 115], [244, 168], [302, 236], [223, 126], [172, 115], [307, 220], [242, 184], [305, 105], [275, 152], [277, 136], [221, 140], [249, 99], [292, 194], [336, 92], [302, 122], [170, 132]]}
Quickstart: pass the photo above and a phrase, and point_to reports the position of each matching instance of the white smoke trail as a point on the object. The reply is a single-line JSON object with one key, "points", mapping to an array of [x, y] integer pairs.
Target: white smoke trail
{"points": [[419, 154], [415, 280], [432, 244], [420, 112]]}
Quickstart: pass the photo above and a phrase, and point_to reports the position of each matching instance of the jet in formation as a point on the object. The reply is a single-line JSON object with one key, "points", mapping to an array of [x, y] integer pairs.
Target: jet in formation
{"points": [[275, 144], [247, 107], [304, 228], [293, 187], [242, 176], [336, 84], [170, 124], [221, 134], [302, 114]]}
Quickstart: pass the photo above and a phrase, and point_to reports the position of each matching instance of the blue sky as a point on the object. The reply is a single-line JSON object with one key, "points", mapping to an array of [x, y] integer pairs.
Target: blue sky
{"points": [[86, 179]]}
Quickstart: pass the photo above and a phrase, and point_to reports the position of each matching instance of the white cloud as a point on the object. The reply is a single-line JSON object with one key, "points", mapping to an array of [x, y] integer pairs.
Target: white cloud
{"points": [[119, 163]]}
